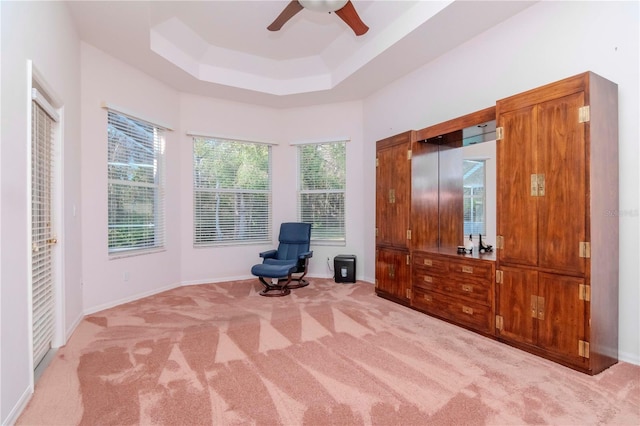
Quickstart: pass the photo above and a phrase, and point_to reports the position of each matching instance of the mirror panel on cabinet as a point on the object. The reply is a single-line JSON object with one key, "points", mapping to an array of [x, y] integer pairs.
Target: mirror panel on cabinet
{"points": [[454, 190]]}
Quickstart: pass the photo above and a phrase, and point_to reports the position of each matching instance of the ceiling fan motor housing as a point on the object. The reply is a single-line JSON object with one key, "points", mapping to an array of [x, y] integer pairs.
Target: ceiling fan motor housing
{"points": [[323, 5]]}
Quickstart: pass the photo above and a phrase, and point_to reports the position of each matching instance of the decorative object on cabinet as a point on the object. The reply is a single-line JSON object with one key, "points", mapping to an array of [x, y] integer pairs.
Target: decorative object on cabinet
{"points": [[482, 247], [470, 245]]}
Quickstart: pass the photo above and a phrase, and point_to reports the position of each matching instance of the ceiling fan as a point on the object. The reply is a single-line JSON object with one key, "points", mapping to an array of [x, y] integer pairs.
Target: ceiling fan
{"points": [[343, 8]]}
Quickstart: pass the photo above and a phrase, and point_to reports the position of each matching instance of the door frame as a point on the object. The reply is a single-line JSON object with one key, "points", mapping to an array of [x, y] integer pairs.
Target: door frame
{"points": [[59, 334]]}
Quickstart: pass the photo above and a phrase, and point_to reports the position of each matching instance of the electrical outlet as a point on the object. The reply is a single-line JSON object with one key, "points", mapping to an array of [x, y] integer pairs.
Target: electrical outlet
{"points": [[125, 276]]}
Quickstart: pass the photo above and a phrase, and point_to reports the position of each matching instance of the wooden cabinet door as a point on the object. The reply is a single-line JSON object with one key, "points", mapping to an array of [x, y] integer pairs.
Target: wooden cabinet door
{"points": [[542, 178], [515, 304], [516, 209], [564, 323], [383, 187], [393, 272], [562, 210], [393, 195]]}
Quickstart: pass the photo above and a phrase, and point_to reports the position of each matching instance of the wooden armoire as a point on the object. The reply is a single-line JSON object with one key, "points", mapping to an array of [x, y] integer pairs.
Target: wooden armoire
{"points": [[557, 262], [551, 285], [393, 209]]}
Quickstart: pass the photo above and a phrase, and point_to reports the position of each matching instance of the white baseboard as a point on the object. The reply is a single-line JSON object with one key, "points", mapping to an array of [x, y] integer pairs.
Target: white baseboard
{"points": [[69, 331], [132, 298], [17, 409], [217, 280], [629, 358]]}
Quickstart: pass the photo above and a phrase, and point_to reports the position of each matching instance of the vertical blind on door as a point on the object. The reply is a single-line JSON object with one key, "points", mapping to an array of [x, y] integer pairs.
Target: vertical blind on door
{"points": [[42, 139]]}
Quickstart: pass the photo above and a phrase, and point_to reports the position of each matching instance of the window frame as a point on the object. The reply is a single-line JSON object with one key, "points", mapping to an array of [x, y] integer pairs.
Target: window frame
{"points": [[158, 186], [267, 237], [315, 239]]}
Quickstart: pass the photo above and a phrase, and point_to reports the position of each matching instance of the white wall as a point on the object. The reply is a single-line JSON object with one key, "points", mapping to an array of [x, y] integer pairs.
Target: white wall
{"points": [[112, 281], [546, 42], [212, 117], [105, 79], [221, 118], [332, 122], [42, 32]]}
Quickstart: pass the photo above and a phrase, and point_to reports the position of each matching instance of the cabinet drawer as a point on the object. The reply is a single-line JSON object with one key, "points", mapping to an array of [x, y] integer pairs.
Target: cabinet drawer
{"points": [[470, 270], [429, 261], [472, 290], [428, 279], [470, 314], [478, 291]]}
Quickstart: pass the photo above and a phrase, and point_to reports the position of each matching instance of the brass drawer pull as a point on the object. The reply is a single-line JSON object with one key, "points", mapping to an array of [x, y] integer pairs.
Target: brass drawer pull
{"points": [[467, 269], [467, 310], [428, 262], [428, 298], [428, 279], [467, 288]]}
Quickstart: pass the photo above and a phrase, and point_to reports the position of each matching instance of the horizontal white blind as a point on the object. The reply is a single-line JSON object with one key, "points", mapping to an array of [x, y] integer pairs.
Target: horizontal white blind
{"points": [[136, 184], [321, 194], [232, 192], [42, 131]]}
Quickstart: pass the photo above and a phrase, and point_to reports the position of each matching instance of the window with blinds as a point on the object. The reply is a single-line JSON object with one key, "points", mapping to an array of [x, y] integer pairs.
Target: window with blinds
{"points": [[321, 190], [136, 184], [231, 192], [474, 197]]}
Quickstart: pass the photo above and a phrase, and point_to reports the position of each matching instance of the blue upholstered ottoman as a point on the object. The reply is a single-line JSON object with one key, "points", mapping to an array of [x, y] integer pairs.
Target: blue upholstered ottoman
{"points": [[281, 271]]}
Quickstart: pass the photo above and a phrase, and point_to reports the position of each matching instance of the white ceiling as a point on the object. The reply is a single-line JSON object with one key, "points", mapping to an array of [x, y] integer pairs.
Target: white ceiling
{"points": [[223, 49]]}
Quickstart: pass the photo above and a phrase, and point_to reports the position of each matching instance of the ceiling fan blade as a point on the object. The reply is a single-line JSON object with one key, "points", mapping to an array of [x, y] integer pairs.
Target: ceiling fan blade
{"points": [[289, 11], [349, 15]]}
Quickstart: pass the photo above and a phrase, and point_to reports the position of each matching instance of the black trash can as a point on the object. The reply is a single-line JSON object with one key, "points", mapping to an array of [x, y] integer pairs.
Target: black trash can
{"points": [[344, 268]]}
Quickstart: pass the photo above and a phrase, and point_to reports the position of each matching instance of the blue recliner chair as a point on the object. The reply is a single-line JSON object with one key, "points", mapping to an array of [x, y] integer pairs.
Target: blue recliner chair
{"points": [[276, 272]]}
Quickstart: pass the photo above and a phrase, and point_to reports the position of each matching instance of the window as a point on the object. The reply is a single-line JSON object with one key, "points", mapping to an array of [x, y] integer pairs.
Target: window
{"points": [[474, 197], [231, 192], [136, 184], [321, 190]]}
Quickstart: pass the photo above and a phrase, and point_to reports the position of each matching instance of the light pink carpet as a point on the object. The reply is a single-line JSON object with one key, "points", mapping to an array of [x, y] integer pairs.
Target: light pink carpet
{"points": [[220, 354]]}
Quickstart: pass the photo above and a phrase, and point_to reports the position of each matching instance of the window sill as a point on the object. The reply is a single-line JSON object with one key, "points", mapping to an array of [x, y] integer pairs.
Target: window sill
{"points": [[137, 252]]}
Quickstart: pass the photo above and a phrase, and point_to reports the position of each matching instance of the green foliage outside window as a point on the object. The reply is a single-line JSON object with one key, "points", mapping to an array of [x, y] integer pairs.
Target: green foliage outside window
{"points": [[135, 184], [232, 192], [321, 197]]}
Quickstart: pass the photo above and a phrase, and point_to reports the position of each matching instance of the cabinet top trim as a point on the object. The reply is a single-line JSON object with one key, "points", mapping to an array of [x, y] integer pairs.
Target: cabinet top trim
{"points": [[401, 138], [565, 87], [457, 123]]}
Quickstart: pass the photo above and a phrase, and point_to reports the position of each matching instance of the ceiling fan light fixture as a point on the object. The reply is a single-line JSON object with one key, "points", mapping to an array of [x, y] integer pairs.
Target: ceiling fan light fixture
{"points": [[323, 5]]}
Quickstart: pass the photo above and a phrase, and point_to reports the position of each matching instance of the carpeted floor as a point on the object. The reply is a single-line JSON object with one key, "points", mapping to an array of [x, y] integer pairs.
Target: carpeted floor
{"points": [[220, 354]]}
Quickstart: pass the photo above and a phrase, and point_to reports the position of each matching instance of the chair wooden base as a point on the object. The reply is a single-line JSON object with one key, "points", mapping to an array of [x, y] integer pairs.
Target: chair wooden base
{"points": [[300, 283], [283, 273], [273, 290]]}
